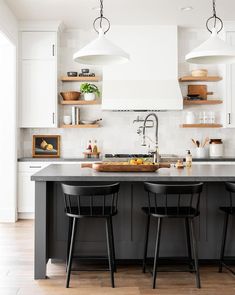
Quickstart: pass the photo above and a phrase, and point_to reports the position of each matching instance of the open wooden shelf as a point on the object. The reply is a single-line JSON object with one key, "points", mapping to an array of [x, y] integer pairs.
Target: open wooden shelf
{"points": [[200, 79], [80, 79], [81, 126], [203, 102], [79, 102], [201, 126]]}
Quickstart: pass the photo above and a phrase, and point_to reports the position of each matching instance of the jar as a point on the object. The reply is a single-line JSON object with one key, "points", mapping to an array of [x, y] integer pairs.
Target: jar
{"points": [[216, 148], [201, 152], [190, 118]]}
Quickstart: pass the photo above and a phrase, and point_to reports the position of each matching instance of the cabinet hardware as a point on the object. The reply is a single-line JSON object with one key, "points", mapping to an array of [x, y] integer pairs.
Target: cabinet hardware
{"points": [[35, 166], [229, 118], [53, 118], [53, 50]]}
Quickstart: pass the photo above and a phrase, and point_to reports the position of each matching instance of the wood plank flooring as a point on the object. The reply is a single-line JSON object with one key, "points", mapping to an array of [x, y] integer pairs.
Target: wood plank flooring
{"points": [[16, 274]]}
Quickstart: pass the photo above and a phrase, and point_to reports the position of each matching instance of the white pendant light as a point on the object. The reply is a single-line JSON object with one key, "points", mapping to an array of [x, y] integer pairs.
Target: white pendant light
{"points": [[101, 51], [214, 50]]}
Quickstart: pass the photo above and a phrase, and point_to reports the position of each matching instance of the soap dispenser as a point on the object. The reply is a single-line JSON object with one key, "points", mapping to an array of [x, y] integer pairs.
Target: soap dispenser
{"points": [[189, 159]]}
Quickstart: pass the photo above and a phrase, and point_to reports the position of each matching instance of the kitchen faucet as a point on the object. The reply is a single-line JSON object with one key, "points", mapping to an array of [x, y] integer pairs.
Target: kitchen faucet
{"points": [[156, 155]]}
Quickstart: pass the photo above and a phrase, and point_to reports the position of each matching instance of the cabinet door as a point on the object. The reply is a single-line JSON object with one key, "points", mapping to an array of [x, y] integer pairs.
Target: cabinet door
{"points": [[38, 106], [26, 193], [230, 87], [38, 45]]}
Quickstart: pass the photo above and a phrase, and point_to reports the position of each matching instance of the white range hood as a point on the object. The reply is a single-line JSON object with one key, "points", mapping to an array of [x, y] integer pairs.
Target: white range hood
{"points": [[150, 80]]}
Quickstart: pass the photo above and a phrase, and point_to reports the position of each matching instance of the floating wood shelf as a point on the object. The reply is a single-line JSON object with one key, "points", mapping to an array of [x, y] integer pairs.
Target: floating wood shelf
{"points": [[201, 126], [200, 79], [81, 126], [79, 102], [202, 102], [80, 79]]}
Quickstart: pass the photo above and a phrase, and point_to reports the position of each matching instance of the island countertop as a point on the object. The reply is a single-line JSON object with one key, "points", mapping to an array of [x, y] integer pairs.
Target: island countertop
{"points": [[206, 173]]}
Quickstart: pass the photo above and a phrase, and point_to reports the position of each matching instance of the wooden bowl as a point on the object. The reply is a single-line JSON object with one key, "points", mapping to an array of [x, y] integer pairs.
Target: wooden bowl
{"points": [[70, 95]]}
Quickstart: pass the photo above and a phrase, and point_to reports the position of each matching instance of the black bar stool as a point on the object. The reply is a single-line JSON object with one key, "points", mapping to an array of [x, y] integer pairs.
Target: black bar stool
{"points": [[173, 201], [93, 201], [230, 210]]}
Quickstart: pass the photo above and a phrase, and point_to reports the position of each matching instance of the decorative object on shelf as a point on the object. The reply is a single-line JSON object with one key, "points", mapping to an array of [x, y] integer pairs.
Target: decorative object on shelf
{"points": [[101, 51], [190, 118], [90, 122], [216, 148], [70, 95], [88, 155], [199, 73], [72, 74], [67, 120], [75, 115], [198, 91], [201, 152], [46, 146], [86, 73], [214, 50], [89, 91]]}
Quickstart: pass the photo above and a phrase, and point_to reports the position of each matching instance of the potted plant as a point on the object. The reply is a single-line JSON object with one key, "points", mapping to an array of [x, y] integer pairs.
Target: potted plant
{"points": [[89, 91]]}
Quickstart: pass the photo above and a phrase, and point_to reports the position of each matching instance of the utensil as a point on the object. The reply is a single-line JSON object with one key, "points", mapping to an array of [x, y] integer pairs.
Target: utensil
{"points": [[207, 140], [194, 142], [200, 90], [197, 143]]}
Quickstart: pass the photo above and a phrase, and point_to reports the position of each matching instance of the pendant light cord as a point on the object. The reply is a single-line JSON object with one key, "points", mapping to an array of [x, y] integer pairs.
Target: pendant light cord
{"points": [[101, 18], [216, 18]]}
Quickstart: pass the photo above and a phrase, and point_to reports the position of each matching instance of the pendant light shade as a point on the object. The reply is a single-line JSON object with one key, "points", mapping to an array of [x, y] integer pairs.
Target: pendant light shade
{"points": [[214, 50], [101, 52]]}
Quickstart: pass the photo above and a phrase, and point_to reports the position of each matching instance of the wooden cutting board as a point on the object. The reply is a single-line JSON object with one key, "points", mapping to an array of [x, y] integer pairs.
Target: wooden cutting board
{"points": [[199, 89], [124, 167]]}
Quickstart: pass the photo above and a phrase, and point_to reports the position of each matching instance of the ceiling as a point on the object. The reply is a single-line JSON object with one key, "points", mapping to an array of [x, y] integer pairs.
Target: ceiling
{"points": [[81, 13]]}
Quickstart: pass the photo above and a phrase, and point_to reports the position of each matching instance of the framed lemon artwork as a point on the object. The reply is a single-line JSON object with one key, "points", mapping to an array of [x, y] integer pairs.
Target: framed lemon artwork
{"points": [[46, 146]]}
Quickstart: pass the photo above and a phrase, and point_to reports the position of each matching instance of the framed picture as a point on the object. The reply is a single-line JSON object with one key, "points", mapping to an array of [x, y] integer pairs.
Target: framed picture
{"points": [[46, 146]]}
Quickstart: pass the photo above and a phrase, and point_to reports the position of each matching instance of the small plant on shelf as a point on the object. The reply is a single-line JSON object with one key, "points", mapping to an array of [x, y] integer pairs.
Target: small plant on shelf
{"points": [[89, 91]]}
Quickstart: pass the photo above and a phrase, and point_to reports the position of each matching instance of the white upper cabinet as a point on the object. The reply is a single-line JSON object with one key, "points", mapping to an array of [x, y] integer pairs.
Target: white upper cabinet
{"points": [[149, 81], [38, 45], [38, 80]]}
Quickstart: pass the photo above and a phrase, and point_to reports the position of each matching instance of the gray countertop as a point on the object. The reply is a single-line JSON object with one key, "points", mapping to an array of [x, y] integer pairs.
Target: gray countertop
{"points": [[29, 159], [206, 173]]}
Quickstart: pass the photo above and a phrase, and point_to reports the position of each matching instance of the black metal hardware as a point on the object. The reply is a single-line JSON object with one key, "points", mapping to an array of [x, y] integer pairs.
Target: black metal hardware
{"points": [[101, 18], [53, 118], [216, 18], [34, 167], [229, 118], [53, 50]]}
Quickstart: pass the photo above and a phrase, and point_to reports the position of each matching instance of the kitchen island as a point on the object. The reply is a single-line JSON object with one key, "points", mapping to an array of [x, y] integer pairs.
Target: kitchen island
{"points": [[129, 224]]}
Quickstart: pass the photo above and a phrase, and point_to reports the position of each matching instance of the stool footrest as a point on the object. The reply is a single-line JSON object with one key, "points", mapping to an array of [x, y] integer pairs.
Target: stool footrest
{"points": [[228, 267]]}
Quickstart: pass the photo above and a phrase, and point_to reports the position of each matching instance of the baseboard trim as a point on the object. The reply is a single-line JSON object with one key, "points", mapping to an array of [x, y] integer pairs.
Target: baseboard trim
{"points": [[8, 215], [26, 215]]}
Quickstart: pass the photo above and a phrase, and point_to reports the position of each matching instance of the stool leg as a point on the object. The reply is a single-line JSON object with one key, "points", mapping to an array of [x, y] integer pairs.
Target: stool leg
{"points": [[71, 251], [156, 255], [109, 250], [188, 243], [223, 241], [112, 245], [146, 243], [69, 240], [195, 254]]}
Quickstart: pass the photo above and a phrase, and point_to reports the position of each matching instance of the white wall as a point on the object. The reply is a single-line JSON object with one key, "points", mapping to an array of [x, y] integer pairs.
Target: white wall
{"points": [[8, 114], [118, 134]]}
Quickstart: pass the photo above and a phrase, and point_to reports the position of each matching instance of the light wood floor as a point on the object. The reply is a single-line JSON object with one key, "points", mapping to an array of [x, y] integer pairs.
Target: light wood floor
{"points": [[16, 274]]}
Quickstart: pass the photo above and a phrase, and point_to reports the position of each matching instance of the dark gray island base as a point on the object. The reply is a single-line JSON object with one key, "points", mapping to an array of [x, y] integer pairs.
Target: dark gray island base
{"points": [[129, 224]]}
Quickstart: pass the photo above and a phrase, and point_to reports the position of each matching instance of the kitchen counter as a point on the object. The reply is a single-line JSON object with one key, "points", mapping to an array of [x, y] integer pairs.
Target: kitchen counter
{"points": [[51, 224], [208, 173], [30, 159]]}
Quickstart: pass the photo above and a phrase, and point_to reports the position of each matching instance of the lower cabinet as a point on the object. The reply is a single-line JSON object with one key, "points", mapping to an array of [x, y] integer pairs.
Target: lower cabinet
{"points": [[26, 187]]}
